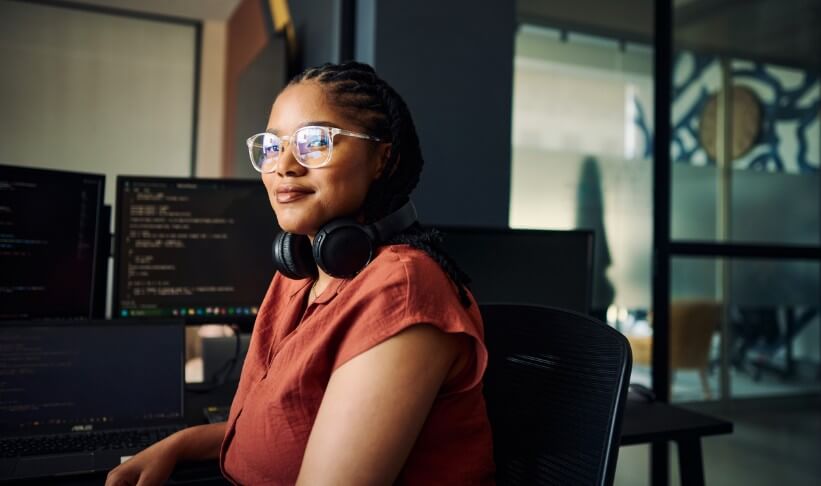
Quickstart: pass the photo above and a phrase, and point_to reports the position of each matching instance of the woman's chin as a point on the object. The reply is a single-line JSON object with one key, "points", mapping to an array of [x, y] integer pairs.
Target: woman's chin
{"points": [[296, 228]]}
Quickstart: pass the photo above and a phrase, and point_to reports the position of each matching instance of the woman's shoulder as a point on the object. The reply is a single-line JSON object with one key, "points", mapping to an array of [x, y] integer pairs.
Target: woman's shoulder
{"points": [[408, 265], [409, 278], [403, 286]]}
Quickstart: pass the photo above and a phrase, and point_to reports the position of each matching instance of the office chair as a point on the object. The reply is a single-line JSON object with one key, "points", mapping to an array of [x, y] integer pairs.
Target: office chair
{"points": [[555, 388], [692, 325]]}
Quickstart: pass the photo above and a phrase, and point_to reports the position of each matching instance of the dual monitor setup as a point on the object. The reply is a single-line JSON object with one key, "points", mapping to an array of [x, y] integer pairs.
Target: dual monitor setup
{"points": [[193, 249], [200, 250]]}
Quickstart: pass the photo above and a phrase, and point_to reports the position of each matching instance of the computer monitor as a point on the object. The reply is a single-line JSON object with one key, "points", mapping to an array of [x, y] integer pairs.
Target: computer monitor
{"points": [[49, 239], [197, 249], [111, 374], [544, 267]]}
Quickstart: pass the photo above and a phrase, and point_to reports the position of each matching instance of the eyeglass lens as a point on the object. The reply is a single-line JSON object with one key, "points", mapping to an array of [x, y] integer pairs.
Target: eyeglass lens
{"points": [[311, 147]]}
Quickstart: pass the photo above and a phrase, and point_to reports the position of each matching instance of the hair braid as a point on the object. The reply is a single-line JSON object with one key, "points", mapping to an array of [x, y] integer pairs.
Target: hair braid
{"points": [[356, 89]]}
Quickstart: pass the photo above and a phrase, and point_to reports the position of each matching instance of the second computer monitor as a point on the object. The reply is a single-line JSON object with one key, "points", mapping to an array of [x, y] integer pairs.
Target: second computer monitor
{"points": [[50, 235], [543, 267], [199, 249]]}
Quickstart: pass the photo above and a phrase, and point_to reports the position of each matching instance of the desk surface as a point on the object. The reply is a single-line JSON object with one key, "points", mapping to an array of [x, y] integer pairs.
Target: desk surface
{"points": [[655, 421], [196, 399]]}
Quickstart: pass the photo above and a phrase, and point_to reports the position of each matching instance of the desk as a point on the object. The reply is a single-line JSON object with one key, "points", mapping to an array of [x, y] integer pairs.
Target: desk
{"points": [[197, 399], [655, 422]]}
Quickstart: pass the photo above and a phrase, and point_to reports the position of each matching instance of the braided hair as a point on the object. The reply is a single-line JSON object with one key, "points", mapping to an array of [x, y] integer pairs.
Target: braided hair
{"points": [[355, 88]]}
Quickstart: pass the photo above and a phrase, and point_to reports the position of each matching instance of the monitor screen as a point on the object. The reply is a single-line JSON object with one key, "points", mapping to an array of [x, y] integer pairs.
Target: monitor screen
{"points": [[198, 249], [49, 239], [57, 375], [552, 268]]}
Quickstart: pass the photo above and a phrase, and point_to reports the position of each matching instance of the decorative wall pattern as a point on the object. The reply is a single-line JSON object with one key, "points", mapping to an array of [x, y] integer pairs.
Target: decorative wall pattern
{"points": [[788, 140]]}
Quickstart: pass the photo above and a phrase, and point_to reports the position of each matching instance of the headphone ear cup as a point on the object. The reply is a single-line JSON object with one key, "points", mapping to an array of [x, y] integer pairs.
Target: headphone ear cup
{"points": [[292, 256], [342, 248]]}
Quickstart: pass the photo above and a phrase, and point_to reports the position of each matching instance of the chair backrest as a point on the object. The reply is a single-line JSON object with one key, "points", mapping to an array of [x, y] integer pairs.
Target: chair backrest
{"points": [[555, 388]]}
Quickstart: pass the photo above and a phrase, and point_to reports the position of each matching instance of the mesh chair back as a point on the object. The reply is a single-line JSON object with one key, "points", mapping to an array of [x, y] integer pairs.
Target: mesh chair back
{"points": [[555, 388]]}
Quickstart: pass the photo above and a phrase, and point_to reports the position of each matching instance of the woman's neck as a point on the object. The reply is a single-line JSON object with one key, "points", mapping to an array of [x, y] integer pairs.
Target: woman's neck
{"points": [[322, 281]]}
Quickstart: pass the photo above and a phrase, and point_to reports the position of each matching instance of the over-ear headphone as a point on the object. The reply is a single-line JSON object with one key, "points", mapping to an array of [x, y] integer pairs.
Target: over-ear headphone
{"points": [[342, 247]]}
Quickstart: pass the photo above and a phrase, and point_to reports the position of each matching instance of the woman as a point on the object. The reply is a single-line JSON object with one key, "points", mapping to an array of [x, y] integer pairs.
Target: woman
{"points": [[367, 379]]}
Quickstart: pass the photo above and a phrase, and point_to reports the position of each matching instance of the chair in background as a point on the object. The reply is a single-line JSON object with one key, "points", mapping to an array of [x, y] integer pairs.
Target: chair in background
{"points": [[692, 325], [555, 388]]}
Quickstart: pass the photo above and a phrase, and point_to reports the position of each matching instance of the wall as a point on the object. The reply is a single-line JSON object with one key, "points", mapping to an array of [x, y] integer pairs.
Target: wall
{"points": [[452, 62], [247, 35], [318, 30], [212, 99], [95, 92], [788, 101], [256, 88]]}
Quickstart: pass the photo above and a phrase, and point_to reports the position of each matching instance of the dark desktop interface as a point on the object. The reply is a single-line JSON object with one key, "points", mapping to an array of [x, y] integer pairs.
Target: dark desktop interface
{"points": [[45, 370], [193, 248], [48, 238]]}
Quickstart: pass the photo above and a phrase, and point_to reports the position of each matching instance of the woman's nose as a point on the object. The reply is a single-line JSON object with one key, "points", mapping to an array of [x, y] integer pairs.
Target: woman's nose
{"points": [[287, 164]]}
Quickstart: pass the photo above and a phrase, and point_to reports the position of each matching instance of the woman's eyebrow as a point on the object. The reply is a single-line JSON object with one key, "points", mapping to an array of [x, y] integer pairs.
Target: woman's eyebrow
{"points": [[309, 123], [322, 123]]}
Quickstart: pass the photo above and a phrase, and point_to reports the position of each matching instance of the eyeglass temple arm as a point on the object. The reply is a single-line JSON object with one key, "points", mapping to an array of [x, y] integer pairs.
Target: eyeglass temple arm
{"points": [[334, 131]]}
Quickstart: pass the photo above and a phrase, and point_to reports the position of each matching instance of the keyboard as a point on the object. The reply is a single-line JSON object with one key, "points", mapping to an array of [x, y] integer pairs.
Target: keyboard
{"points": [[83, 441]]}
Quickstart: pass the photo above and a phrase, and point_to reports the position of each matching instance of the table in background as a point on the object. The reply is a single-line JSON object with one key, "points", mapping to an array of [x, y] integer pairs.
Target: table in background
{"points": [[649, 422]]}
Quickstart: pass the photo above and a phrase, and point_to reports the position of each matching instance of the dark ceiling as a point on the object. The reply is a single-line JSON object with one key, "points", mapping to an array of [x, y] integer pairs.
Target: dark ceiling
{"points": [[780, 31], [786, 32]]}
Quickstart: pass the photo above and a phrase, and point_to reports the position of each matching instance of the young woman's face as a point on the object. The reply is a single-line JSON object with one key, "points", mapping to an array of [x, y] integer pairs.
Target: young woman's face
{"points": [[305, 199]]}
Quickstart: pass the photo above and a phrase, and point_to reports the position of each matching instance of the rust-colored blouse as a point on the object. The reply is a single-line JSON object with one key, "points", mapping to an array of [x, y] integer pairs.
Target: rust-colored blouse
{"points": [[292, 356]]}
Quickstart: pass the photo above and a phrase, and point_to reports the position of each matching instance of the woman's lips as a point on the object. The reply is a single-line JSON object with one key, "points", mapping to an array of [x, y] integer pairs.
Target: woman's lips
{"points": [[286, 194]]}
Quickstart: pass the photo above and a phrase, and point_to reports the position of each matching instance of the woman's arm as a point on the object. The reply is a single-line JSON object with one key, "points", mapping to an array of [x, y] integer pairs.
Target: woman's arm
{"points": [[156, 463], [200, 443], [375, 406]]}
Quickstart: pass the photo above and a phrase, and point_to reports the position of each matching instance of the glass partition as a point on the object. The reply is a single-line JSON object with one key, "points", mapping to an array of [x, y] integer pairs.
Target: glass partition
{"points": [[581, 151], [765, 331]]}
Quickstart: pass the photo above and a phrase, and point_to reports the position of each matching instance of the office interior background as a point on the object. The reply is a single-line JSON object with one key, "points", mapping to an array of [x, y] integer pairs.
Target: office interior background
{"points": [[554, 106]]}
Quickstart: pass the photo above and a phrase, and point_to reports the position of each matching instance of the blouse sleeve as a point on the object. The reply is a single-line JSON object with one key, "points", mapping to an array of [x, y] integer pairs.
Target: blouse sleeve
{"points": [[403, 291]]}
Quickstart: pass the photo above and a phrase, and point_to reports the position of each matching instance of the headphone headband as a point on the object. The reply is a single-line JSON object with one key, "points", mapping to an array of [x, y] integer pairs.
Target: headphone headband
{"points": [[393, 223]]}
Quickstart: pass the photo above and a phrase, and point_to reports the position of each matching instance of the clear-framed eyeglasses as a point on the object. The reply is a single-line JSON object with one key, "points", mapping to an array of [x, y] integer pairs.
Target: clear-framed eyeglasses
{"points": [[312, 147]]}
